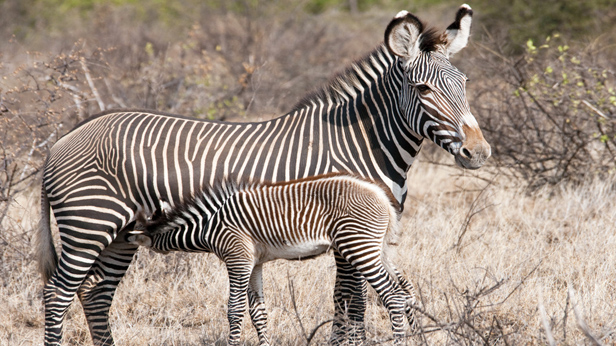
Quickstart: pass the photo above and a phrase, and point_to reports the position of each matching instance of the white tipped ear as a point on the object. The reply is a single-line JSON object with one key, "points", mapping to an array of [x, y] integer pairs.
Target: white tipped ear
{"points": [[402, 35], [458, 32]]}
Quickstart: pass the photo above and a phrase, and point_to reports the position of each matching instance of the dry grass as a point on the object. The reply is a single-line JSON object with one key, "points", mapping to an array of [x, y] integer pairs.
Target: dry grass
{"points": [[532, 246], [487, 260]]}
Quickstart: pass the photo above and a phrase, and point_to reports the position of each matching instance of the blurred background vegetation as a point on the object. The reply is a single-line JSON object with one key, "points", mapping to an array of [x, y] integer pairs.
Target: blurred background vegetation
{"points": [[519, 20]]}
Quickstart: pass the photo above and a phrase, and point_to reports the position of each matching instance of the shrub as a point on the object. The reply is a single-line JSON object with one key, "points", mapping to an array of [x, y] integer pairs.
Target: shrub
{"points": [[550, 114]]}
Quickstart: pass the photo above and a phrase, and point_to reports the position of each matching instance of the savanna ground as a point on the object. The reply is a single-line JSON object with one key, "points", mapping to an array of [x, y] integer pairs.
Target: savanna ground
{"points": [[519, 253]]}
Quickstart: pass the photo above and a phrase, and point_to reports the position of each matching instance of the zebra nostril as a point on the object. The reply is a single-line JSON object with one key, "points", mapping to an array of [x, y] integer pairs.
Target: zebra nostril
{"points": [[466, 153]]}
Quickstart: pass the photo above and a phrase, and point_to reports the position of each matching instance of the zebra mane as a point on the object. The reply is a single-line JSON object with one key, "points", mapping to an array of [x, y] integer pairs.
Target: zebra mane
{"points": [[431, 40], [347, 84]]}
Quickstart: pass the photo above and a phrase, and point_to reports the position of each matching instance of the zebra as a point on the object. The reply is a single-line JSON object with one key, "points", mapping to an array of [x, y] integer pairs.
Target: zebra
{"points": [[249, 224], [370, 121]]}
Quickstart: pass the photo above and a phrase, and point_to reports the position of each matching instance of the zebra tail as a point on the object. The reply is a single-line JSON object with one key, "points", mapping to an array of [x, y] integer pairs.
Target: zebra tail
{"points": [[46, 250]]}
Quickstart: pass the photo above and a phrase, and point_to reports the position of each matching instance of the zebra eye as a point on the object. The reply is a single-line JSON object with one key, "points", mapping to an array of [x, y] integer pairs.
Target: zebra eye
{"points": [[422, 88]]}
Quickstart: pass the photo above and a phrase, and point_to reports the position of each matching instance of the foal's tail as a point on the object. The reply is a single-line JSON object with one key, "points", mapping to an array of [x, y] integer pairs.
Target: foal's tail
{"points": [[45, 248]]}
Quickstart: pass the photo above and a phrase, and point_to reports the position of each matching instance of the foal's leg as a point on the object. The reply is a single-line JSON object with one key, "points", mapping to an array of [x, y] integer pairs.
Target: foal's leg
{"points": [[409, 289], [239, 270], [350, 293], [258, 314], [369, 263]]}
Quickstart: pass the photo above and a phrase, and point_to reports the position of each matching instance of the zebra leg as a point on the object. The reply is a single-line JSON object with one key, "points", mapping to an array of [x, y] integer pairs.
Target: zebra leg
{"points": [[350, 294], [97, 291], [239, 277], [59, 292], [369, 262], [74, 264], [258, 314], [409, 289]]}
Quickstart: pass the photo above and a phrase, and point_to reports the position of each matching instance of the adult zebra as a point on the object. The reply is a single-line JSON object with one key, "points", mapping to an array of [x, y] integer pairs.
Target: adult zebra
{"points": [[370, 121]]}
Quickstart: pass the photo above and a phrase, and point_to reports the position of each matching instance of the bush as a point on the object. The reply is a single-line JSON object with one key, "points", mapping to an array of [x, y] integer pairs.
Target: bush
{"points": [[550, 114]]}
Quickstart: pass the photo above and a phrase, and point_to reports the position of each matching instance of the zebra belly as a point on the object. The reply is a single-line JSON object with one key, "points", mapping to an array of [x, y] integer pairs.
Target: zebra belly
{"points": [[304, 250]]}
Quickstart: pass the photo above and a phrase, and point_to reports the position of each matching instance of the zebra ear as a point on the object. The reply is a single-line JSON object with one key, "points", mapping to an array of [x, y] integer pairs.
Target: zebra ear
{"points": [[402, 35], [456, 35]]}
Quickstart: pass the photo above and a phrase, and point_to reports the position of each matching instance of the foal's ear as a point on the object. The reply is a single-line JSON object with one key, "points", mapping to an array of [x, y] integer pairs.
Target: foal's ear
{"points": [[456, 35], [402, 35]]}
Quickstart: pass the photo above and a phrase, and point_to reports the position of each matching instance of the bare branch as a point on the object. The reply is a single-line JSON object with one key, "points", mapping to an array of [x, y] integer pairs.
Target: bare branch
{"points": [[297, 316], [97, 96], [472, 211]]}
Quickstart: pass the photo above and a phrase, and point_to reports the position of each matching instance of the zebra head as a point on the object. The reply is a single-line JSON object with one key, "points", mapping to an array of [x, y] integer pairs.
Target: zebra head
{"points": [[433, 93]]}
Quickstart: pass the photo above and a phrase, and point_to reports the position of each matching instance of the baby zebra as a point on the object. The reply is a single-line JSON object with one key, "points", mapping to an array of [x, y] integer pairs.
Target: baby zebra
{"points": [[248, 224]]}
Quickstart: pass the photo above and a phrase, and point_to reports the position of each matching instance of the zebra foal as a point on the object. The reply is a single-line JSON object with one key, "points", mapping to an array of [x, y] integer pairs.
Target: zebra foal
{"points": [[248, 224]]}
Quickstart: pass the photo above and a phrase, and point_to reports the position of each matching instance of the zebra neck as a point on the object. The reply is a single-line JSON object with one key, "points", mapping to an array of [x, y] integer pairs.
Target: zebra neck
{"points": [[362, 109]]}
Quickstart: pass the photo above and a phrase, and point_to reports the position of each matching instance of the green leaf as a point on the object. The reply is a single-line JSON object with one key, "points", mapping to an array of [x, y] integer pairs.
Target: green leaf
{"points": [[530, 47], [149, 49]]}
